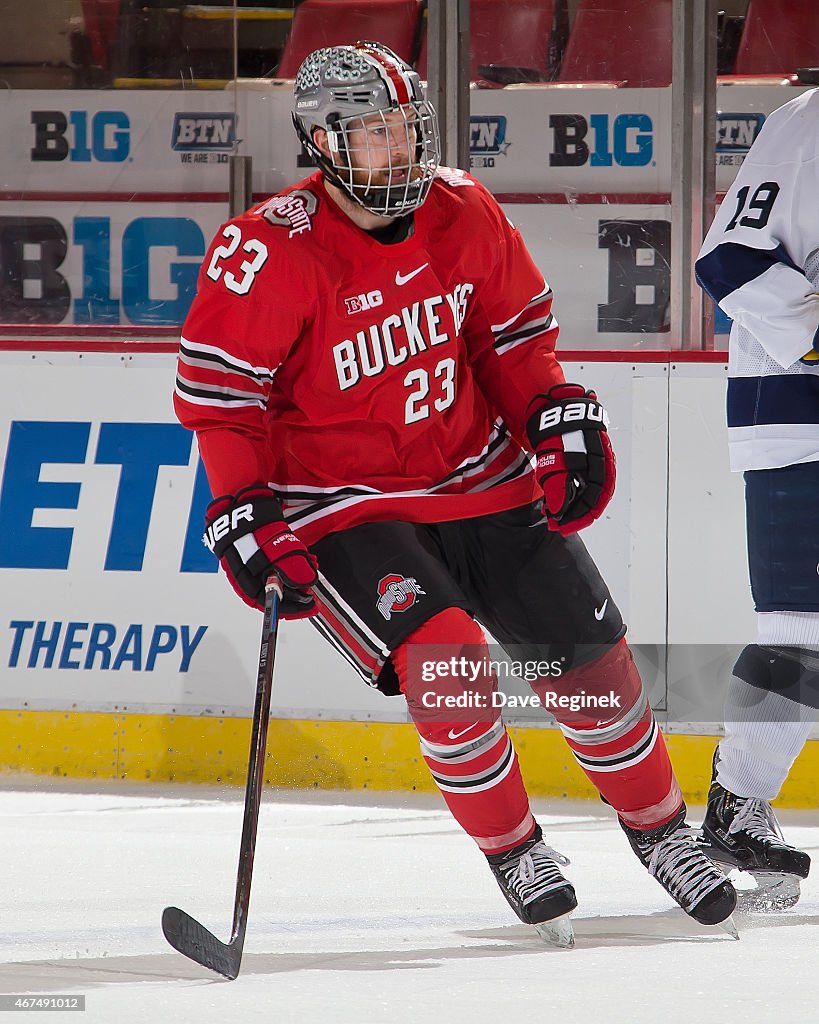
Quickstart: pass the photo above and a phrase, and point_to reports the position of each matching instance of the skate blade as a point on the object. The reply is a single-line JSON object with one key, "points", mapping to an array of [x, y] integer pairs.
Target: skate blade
{"points": [[774, 892], [557, 932], [729, 928]]}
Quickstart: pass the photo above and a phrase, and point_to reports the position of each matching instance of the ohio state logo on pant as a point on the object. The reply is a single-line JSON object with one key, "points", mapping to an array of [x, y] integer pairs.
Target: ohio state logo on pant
{"points": [[398, 593]]}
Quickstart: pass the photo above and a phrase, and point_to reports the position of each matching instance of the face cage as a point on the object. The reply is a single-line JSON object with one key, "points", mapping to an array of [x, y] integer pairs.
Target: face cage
{"points": [[416, 153]]}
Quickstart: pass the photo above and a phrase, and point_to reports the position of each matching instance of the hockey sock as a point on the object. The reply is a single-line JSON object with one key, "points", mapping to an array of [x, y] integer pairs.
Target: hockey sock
{"points": [[764, 730], [466, 748], [621, 749]]}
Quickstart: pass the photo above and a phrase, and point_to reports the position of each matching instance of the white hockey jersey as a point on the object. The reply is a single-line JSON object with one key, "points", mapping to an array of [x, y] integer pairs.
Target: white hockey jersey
{"points": [[760, 262]]}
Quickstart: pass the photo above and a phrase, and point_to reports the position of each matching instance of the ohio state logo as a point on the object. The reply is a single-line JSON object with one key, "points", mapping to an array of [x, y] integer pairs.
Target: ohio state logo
{"points": [[294, 210], [398, 593]]}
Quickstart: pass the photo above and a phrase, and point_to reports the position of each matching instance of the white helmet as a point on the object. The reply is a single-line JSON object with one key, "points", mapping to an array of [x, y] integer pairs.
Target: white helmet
{"points": [[347, 88]]}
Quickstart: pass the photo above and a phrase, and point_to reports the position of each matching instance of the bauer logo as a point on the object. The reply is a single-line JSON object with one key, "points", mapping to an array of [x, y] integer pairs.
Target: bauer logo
{"points": [[203, 132], [736, 132], [487, 140]]}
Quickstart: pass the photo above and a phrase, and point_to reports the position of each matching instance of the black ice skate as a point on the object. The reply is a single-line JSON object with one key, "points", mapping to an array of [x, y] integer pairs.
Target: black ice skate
{"points": [[531, 881], [672, 854], [742, 832]]}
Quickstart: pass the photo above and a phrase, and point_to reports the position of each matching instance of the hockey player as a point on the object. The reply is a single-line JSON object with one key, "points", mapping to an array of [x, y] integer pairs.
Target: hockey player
{"points": [[368, 364], [760, 262]]}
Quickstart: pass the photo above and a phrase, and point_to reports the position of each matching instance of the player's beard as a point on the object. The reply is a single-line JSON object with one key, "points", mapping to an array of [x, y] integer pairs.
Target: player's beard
{"points": [[391, 181]]}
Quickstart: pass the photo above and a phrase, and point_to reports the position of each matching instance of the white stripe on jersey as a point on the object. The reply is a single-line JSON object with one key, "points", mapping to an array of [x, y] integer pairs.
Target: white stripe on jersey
{"points": [[232, 363], [542, 294], [237, 404]]}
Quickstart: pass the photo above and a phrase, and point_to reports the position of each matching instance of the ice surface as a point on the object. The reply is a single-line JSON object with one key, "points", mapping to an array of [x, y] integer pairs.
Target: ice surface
{"points": [[366, 909]]}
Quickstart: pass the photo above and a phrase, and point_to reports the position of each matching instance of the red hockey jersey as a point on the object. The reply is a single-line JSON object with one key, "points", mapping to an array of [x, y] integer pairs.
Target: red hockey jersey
{"points": [[366, 381]]}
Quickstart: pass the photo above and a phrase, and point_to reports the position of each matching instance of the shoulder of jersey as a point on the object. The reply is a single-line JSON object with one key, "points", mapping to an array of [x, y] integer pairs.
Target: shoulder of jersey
{"points": [[458, 189], [793, 125], [287, 216], [456, 182]]}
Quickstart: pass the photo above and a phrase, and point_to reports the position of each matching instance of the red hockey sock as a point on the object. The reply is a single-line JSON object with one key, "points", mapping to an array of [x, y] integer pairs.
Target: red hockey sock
{"points": [[467, 747], [621, 749]]}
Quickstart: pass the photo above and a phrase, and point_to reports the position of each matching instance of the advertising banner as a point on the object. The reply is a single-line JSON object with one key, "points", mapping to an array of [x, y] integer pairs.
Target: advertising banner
{"points": [[108, 264], [535, 139], [110, 601]]}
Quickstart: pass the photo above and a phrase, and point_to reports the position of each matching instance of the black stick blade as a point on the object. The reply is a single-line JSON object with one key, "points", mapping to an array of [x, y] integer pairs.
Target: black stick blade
{"points": [[194, 941]]}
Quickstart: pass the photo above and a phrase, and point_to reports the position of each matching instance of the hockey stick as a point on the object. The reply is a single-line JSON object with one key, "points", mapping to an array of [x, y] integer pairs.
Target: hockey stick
{"points": [[183, 932]]}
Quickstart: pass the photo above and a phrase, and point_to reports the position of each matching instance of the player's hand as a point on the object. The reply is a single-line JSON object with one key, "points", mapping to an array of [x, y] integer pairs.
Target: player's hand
{"points": [[567, 429], [248, 534]]}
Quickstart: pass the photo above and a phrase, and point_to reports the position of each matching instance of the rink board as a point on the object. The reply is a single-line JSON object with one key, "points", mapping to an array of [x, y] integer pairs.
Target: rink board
{"points": [[317, 754], [126, 655]]}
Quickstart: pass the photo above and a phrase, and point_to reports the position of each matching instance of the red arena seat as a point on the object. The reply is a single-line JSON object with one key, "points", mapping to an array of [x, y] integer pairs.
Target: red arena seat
{"points": [[778, 37], [627, 42], [516, 35], [337, 22], [101, 22]]}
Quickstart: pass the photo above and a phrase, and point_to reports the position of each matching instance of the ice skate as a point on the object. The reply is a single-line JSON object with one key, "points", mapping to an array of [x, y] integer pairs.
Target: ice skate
{"points": [[673, 856], [534, 886], [743, 833]]}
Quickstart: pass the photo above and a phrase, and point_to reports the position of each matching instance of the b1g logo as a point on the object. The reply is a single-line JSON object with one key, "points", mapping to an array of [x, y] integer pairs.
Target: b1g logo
{"points": [[364, 301], [109, 273], [81, 136], [398, 593], [487, 139], [627, 141]]}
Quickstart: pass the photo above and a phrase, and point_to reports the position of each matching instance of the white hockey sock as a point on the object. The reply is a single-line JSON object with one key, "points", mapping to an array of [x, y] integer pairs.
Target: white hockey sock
{"points": [[764, 734]]}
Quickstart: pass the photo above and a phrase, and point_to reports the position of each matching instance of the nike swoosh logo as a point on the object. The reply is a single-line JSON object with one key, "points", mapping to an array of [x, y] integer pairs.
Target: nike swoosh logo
{"points": [[403, 278], [601, 611], [456, 735]]}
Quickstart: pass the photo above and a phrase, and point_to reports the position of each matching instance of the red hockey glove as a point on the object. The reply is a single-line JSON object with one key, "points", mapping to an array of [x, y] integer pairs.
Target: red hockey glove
{"points": [[567, 429], [249, 536]]}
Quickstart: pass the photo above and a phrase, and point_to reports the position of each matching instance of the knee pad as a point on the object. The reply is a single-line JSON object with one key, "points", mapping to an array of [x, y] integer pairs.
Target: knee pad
{"points": [[791, 672], [444, 671], [605, 691]]}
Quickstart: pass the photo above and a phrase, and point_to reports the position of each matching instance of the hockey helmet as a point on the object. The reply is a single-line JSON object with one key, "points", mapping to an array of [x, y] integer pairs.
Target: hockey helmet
{"points": [[382, 132]]}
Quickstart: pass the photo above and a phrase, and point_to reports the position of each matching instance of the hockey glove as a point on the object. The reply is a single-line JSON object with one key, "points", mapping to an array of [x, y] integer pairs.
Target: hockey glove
{"points": [[249, 536], [567, 429]]}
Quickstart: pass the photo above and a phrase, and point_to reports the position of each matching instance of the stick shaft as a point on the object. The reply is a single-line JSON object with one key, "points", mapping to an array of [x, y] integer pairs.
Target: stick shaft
{"points": [[256, 761]]}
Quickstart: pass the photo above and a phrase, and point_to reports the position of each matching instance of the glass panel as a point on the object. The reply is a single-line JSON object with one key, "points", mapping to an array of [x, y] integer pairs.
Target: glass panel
{"points": [[761, 47], [577, 146], [57, 44], [122, 118], [571, 130]]}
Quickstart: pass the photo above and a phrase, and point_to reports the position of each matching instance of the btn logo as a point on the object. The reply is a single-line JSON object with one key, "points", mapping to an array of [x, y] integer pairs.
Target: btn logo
{"points": [[736, 132], [626, 141], [487, 140], [203, 132], [735, 135], [81, 136]]}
